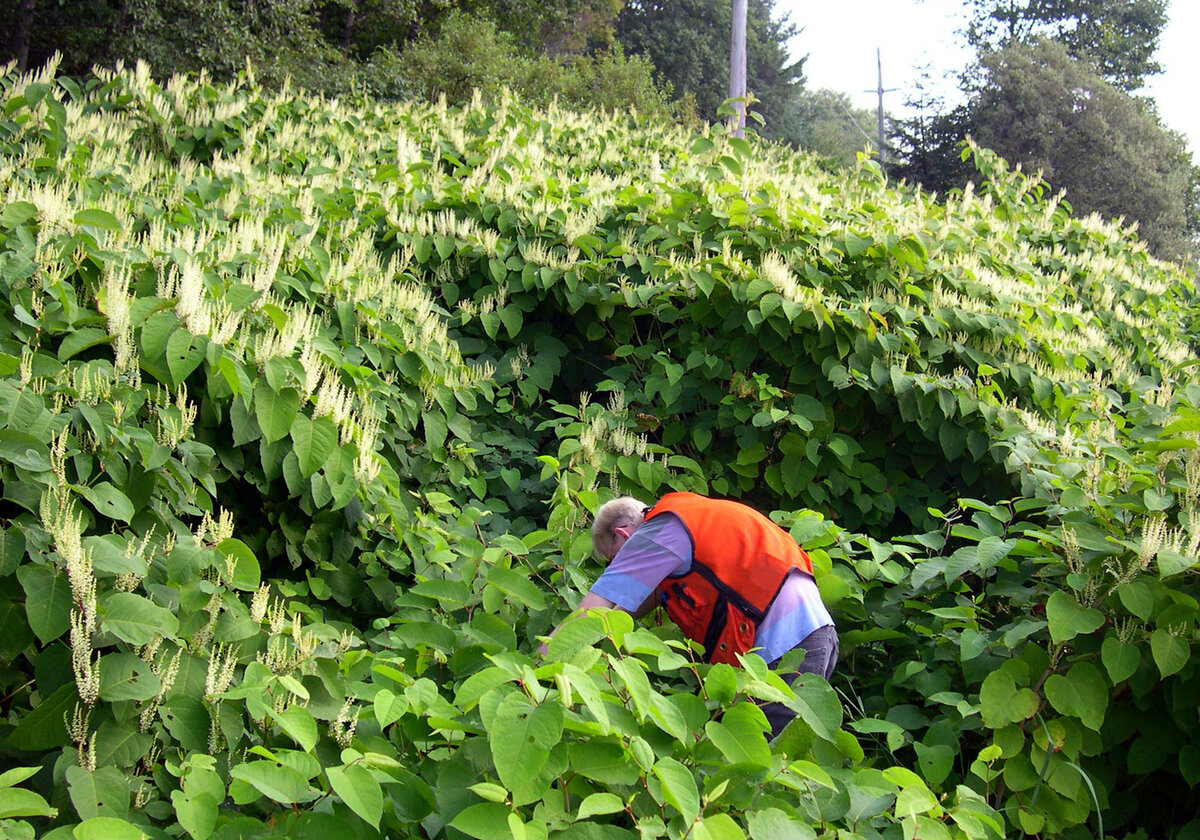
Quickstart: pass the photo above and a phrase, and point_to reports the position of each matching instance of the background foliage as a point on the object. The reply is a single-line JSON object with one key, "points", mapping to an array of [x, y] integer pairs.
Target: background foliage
{"points": [[305, 404], [1055, 89]]}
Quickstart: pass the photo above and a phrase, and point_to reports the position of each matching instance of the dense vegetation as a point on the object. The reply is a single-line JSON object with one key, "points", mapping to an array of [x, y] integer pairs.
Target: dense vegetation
{"points": [[305, 404]]}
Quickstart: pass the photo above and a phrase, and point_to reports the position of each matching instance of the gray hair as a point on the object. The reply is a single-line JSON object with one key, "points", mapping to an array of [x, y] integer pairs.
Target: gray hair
{"points": [[613, 514]]}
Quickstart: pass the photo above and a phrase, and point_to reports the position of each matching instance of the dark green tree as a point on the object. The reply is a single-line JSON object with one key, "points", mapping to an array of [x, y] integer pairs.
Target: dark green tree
{"points": [[688, 42], [1107, 149], [1119, 37]]}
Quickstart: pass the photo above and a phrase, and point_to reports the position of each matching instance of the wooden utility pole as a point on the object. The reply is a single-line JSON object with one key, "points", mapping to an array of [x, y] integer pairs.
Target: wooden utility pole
{"points": [[879, 110], [737, 65]]}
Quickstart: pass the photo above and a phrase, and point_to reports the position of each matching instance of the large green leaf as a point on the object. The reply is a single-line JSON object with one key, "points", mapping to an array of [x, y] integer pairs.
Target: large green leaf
{"points": [[1068, 619], [47, 601], [124, 676], [103, 792], [43, 728], [1082, 692], [247, 574], [24, 451], [1002, 703], [359, 790], [484, 821], [136, 619], [275, 410], [109, 501], [521, 736], [282, 784], [299, 725], [1170, 652], [1121, 659], [18, 802], [739, 736], [678, 788], [185, 352], [313, 441], [108, 828], [196, 812]]}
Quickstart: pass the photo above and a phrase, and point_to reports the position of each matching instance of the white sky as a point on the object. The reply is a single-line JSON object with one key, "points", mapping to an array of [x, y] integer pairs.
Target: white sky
{"points": [[840, 39]]}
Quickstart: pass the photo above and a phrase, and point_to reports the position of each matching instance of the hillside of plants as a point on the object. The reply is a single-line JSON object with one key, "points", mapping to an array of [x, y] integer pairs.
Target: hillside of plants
{"points": [[305, 406]]}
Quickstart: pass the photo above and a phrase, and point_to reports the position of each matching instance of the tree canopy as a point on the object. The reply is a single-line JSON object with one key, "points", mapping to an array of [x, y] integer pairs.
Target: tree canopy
{"points": [[688, 42], [1119, 37], [1109, 151]]}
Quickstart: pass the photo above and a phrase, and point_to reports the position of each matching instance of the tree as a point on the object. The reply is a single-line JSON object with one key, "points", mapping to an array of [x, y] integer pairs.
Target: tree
{"points": [[1107, 149], [825, 122], [688, 42], [928, 144], [1118, 36]]}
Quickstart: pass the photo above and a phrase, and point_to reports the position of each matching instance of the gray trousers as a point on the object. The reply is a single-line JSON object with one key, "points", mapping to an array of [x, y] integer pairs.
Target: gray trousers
{"points": [[820, 657]]}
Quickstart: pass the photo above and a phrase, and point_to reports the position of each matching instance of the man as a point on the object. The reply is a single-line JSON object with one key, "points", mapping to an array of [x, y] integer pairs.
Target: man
{"points": [[731, 579]]}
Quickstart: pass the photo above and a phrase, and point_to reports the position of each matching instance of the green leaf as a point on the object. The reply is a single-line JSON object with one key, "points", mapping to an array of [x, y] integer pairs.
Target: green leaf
{"points": [[573, 636], [43, 727], [314, 441], [490, 792], [24, 451], [739, 736], [103, 792], [47, 601], [17, 213], [774, 824], [1001, 703], [98, 218], [280, 783], [124, 676], [817, 704], [1170, 652], [1121, 659], [720, 684], [185, 352], [521, 738], [389, 707], [107, 828], [80, 340], [1082, 693], [1138, 598], [109, 501], [598, 804], [484, 821], [275, 410], [10, 778], [135, 619], [246, 572], [18, 802], [196, 812], [935, 762], [156, 332], [355, 785], [1068, 619], [679, 788], [299, 725], [718, 827]]}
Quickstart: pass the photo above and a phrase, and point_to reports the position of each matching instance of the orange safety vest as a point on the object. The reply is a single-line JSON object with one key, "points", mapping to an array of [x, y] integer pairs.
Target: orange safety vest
{"points": [[740, 560]]}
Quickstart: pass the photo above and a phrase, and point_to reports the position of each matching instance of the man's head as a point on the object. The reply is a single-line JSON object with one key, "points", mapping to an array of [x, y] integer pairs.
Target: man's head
{"points": [[615, 522]]}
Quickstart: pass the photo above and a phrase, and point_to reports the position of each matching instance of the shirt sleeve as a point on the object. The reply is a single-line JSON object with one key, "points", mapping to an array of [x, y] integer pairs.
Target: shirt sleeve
{"points": [[658, 548]]}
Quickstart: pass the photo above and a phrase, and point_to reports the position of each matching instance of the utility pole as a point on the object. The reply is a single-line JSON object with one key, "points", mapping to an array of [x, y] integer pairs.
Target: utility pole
{"points": [[879, 110], [737, 65]]}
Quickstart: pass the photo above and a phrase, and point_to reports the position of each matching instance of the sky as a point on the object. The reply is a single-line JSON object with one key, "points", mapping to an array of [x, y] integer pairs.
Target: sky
{"points": [[916, 36]]}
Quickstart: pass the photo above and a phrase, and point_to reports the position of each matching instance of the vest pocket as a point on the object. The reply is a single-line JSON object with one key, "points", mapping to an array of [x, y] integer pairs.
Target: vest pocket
{"points": [[732, 632]]}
